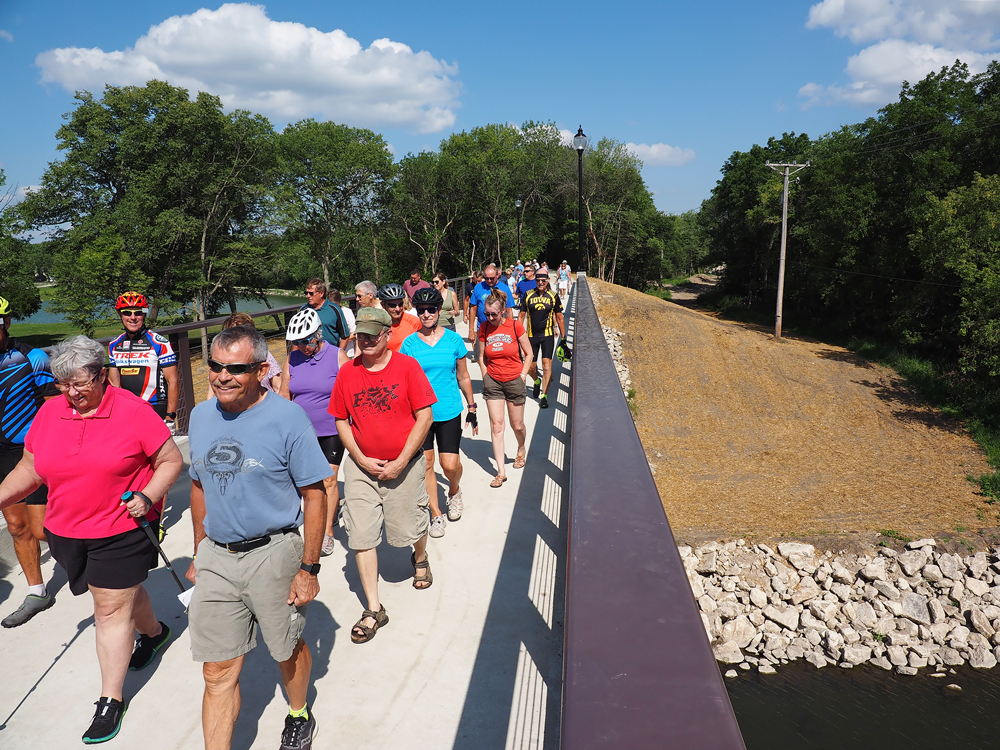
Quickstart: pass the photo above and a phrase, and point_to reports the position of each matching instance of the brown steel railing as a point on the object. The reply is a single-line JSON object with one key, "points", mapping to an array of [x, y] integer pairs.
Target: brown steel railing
{"points": [[638, 671]]}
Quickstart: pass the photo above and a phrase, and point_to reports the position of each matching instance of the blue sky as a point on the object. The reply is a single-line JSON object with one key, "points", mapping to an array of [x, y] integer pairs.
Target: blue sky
{"points": [[685, 83]]}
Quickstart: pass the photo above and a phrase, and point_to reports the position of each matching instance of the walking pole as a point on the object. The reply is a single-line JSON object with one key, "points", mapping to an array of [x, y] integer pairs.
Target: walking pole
{"points": [[126, 496]]}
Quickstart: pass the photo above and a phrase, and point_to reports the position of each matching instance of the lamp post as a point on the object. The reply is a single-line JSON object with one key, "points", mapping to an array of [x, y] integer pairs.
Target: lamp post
{"points": [[580, 144], [517, 205]]}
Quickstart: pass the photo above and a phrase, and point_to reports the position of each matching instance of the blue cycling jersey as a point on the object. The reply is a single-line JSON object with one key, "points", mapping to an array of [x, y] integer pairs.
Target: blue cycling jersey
{"points": [[25, 381]]}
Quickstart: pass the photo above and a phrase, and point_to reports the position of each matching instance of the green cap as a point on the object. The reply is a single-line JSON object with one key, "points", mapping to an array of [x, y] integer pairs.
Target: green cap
{"points": [[372, 320]]}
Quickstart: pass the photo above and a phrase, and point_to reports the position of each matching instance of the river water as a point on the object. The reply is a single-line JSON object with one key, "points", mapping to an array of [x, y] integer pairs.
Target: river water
{"points": [[804, 708], [46, 316]]}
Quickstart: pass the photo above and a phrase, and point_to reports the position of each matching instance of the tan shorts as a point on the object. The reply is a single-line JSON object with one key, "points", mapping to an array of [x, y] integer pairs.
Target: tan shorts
{"points": [[399, 505], [237, 592], [513, 391]]}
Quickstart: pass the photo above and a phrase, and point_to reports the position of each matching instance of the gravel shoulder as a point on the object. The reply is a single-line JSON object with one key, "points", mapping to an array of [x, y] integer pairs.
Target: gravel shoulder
{"points": [[766, 440]]}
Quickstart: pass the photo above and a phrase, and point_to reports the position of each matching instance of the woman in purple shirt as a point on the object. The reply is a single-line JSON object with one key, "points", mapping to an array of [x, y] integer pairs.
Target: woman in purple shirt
{"points": [[308, 379]]}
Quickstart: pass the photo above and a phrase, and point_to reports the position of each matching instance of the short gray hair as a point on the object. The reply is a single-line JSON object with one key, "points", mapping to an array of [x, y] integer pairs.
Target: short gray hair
{"points": [[366, 287], [78, 353], [232, 337]]}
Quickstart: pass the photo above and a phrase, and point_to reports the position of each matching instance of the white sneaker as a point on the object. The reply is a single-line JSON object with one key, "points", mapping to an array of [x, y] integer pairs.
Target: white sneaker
{"points": [[455, 507], [437, 527]]}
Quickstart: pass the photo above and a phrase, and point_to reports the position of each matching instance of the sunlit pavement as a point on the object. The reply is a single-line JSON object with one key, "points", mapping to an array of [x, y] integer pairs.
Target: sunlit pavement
{"points": [[473, 662]]}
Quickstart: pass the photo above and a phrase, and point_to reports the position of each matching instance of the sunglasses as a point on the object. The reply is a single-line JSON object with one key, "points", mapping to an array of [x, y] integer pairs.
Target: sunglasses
{"points": [[131, 313], [234, 368], [493, 315], [302, 342], [310, 294], [421, 310], [393, 303], [364, 338]]}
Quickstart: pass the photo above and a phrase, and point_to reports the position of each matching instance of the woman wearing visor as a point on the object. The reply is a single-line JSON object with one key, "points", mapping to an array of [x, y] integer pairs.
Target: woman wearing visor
{"points": [[441, 354]]}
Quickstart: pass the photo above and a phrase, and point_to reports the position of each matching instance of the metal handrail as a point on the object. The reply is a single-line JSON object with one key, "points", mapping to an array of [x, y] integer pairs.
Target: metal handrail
{"points": [[638, 670]]}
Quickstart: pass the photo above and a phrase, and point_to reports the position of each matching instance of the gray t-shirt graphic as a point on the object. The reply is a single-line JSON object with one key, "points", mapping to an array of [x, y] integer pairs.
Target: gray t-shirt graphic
{"points": [[250, 464]]}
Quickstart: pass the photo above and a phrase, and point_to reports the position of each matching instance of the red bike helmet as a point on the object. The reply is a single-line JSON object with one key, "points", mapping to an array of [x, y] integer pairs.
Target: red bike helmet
{"points": [[132, 299]]}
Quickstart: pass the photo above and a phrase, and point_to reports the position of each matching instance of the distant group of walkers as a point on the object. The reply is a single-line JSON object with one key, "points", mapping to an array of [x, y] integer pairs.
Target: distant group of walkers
{"points": [[87, 459]]}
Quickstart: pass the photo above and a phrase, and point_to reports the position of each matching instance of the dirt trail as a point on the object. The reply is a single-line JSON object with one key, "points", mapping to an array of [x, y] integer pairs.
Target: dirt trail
{"points": [[762, 439]]}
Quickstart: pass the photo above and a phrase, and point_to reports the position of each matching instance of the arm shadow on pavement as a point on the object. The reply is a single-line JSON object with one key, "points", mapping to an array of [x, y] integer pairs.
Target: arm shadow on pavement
{"points": [[261, 678], [515, 690]]}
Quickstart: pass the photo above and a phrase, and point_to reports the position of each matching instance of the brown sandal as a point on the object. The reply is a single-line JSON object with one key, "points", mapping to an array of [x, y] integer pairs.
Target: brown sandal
{"points": [[519, 461], [367, 633], [498, 481], [427, 577]]}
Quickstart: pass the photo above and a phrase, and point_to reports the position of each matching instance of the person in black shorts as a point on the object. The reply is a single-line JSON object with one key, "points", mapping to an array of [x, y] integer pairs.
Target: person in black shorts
{"points": [[26, 381], [543, 314]]}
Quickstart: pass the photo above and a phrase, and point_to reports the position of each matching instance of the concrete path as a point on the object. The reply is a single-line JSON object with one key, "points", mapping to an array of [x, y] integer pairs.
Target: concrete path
{"points": [[474, 662]]}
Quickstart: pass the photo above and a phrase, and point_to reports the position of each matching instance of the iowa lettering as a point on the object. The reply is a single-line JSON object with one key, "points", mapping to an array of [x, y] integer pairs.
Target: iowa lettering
{"points": [[377, 399]]}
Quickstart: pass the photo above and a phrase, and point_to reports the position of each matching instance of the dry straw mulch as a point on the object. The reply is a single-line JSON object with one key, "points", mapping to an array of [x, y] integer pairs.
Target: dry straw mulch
{"points": [[763, 439]]}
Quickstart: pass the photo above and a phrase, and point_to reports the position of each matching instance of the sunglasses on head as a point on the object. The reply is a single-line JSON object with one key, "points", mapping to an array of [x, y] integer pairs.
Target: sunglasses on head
{"points": [[234, 368]]}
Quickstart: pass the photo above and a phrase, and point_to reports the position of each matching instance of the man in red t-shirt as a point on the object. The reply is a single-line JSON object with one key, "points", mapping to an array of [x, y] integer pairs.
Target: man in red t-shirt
{"points": [[382, 403]]}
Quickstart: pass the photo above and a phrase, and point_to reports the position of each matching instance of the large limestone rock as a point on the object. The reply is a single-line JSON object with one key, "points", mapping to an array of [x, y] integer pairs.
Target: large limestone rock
{"points": [[875, 570], [787, 618], [807, 590], [739, 631], [728, 653], [982, 658], [911, 562], [857, 654], [915, 608], [951, 566], [801, 556]]}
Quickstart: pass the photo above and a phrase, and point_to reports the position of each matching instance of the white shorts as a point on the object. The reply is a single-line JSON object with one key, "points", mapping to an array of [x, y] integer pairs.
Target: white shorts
{"points": [[564, 284]]}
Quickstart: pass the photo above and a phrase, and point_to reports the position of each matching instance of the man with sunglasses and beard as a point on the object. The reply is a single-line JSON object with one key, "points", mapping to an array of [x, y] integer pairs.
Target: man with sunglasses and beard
{"points": [[253, 456], [142, 361]]}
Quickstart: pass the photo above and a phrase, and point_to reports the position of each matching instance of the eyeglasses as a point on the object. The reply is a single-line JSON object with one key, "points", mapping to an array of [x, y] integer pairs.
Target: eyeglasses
{"points": [[493, 315], [421, 310], [131, 313], [234, 368], [365, 338], [80, 388]]}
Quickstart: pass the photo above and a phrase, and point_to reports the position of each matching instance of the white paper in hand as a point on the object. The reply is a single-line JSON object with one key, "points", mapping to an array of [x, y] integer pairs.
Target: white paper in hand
{"points": [[185, 597]]}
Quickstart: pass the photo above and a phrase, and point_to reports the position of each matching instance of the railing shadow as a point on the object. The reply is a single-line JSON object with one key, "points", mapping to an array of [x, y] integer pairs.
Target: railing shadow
{"points": [[515, 687]]}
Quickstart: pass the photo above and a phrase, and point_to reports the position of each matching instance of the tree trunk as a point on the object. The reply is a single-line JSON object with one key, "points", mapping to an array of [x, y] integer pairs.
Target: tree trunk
{"points": [[202, 303], [232, 298]]}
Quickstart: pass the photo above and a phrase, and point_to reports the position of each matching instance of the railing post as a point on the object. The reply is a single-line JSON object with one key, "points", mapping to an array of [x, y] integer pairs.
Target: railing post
{"points": [[185, 386]]}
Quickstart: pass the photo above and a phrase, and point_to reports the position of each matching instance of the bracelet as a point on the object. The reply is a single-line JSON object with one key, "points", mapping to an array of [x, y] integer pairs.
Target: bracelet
{"points": [[472, 406]]}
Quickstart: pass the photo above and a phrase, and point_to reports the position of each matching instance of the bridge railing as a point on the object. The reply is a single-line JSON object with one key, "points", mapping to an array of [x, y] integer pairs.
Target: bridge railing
{"points": [[638, 671]]}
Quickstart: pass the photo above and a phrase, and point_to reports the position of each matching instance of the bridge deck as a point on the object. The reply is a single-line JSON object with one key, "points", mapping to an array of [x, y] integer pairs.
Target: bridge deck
{"points": [[473, 662]]}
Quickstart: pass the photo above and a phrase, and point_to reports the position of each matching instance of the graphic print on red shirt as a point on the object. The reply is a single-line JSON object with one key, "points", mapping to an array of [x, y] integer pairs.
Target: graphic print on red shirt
{"points": [[503, 355]]}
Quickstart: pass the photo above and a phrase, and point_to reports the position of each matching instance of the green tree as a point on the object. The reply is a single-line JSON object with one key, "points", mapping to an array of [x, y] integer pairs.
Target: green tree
{"points": [[16, 267]]}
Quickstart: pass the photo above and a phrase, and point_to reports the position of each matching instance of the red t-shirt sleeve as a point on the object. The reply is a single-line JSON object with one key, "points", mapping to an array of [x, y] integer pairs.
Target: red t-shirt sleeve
{"points": [[518, 330]]}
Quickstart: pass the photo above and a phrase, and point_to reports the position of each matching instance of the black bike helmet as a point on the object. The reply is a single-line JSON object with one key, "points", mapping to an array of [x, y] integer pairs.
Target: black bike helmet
{"points": [[390, 292], [428, 296]]}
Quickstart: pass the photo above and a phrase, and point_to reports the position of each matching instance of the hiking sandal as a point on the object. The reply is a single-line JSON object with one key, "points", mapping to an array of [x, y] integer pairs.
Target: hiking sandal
{"points": [[367, 633], [427, 578]]}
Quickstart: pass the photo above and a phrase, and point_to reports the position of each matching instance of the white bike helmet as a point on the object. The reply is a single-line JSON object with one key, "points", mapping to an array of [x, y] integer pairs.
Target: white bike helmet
{"points": [[303, 325]]}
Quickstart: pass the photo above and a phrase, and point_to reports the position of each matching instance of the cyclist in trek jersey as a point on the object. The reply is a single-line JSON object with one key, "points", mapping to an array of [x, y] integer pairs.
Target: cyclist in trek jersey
{"points": [[142, 361], [25, 382], [543, 312]]}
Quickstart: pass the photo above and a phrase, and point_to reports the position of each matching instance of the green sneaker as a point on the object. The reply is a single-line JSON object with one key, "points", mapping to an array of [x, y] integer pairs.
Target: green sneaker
{"points": [[537, 388], [543, 402]]}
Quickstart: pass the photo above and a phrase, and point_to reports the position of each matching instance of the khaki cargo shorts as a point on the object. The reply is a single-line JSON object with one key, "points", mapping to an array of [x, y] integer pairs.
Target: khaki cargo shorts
{"points": [[399, 505], [238, 592], [512, 391]]}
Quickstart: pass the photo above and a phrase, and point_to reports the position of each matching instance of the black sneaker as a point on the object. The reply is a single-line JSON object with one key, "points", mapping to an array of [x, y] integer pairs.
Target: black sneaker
{"points": [[543, 402], [107, 721], [146, 648], [298, 733], [537, 387]]}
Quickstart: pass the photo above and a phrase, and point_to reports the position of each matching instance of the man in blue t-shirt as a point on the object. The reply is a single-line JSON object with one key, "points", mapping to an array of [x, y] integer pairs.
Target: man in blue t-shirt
{"points": [[25, 382], [335, 328], [252, 455], [491, 280]]}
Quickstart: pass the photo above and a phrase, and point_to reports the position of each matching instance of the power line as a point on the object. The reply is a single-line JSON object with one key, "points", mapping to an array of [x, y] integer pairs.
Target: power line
{"points": [[875, 275]]}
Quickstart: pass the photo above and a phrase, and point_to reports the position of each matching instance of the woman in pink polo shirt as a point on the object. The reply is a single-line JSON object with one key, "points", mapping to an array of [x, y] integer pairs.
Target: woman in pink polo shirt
{"points": [[89, 448]]}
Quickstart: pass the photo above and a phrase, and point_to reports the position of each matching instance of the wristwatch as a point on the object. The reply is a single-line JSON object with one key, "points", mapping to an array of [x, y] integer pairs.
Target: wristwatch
{"points": [[310, 569], [171, 415]]}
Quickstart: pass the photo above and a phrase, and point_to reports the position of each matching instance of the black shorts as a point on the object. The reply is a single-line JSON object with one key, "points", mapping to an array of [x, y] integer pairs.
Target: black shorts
{"points": [[544, 344], [9, 458], [332, 448], [448, 434], [114, 562]]}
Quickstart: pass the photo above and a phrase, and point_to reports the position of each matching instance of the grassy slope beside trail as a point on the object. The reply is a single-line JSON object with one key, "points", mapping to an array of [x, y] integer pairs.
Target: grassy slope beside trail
{"points": [[763, 439]]}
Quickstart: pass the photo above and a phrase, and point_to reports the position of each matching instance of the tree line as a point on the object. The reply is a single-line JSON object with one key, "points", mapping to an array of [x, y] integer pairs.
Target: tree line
{"points": [[197, 207], [893, 231]]}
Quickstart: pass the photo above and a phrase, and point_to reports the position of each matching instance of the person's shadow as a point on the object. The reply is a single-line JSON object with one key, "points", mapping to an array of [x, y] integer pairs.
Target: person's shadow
{"points": [[261, 677]]}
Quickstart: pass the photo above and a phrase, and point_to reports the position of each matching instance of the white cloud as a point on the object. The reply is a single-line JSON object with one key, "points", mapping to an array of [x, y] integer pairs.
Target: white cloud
{"points": [[877, 72], [915, 37], [660, 154], [4, 34], [284, 70]]}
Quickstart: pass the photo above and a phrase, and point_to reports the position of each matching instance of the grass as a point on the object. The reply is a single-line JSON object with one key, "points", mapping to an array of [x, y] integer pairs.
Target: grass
{"points": [[630, 400], [661, 293], [895, 535], [49, 334]]}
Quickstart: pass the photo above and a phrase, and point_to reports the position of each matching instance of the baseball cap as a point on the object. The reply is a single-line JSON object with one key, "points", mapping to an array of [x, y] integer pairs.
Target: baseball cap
{"points": [[372, 320]]}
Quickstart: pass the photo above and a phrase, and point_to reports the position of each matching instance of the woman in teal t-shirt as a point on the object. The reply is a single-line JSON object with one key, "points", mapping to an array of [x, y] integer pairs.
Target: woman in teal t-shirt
{"points": [[441, 354]]}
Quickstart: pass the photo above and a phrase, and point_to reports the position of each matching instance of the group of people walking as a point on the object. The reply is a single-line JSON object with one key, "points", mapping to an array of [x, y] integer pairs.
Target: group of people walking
{"points": [[266, 452]]}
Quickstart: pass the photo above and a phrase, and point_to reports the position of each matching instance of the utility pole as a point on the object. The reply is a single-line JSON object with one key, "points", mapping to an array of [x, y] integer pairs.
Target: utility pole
{"points": [[787, 169]]}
